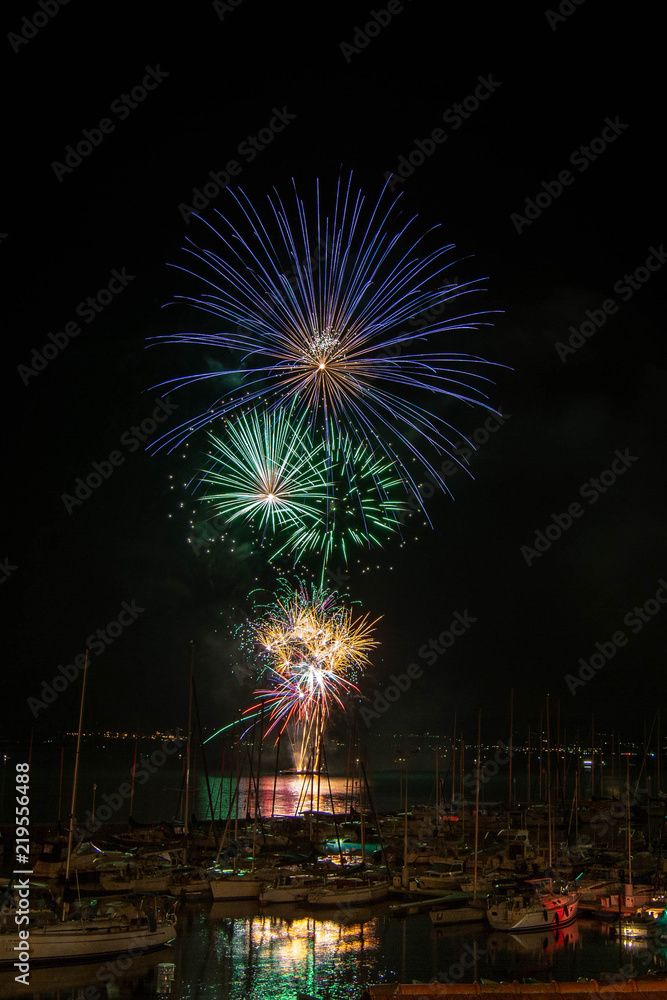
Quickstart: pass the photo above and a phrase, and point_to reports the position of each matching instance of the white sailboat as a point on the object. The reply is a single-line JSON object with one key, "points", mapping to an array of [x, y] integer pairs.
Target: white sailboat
{"points": [[535, 908], [349, 891], [237, 885], [118, 928], [290, 889]]}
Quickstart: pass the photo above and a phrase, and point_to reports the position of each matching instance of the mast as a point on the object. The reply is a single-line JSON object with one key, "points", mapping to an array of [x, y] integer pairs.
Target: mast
{"points": [[627, 823], [462, 794], [60, 787], [405, 878], [454, 761], [549, 782], [477, 784], [437, 793], [658, 754], [186, 824], [509, 798], [593, 755], [134, 771], [76, 768]]}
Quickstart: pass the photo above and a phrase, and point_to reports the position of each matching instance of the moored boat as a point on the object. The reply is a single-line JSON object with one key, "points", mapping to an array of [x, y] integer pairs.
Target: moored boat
{"points": [[85, 857], [242, 885], [349, 891], [132, 878], [120, 926], [472, 912], [189, 882], [290, 889], [534, 907], [624, 902], [649, 921]]}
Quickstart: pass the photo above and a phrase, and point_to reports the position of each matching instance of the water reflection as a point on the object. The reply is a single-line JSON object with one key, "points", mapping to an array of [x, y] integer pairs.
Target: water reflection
{"points": [[92, 980], [283, 950], [238, 950], [281, 795], [533, 952]]}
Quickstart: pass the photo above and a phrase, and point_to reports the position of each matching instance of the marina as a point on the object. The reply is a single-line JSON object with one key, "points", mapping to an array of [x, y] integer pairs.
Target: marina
{"points": [[261, 905]]}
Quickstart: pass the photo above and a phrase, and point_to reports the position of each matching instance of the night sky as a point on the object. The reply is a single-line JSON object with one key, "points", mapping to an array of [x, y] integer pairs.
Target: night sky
{"points": [[560, 92]]}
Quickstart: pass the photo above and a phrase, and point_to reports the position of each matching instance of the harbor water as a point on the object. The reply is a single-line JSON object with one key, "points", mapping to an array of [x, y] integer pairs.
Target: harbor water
{"points": [[241, 951]]}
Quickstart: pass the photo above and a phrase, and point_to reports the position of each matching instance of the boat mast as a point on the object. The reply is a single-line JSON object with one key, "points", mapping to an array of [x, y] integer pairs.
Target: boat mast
{"points": [[627, 821], [454, 762], [528, 762], [76, 768], [437, 793], [658, 754], [405, 877], [186, 823], [477, 784], [549, 783], [509, 798], [134, 771]]}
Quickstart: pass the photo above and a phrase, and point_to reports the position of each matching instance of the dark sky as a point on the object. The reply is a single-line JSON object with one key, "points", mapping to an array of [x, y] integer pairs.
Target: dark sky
{"points": [[554, 83]]}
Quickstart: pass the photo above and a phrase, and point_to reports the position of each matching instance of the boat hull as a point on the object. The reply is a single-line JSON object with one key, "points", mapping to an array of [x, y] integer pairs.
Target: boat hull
{"points": [[61, 943], [351, 895], [456, 915], [516, 914], [235, 888]]}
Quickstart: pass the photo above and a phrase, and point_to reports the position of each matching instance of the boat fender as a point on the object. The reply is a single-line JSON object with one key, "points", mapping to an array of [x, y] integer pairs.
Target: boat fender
{"points": [[546, 915]]}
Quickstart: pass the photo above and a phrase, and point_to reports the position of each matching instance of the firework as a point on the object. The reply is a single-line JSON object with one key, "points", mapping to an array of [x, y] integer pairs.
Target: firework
{"points": [[267, 470], [321, 316], [314, 649]]}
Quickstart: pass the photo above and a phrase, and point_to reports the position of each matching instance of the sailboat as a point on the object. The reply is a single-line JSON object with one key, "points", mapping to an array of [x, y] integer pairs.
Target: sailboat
{"points": [[115, 926], [119, 926], [537, 907]]}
